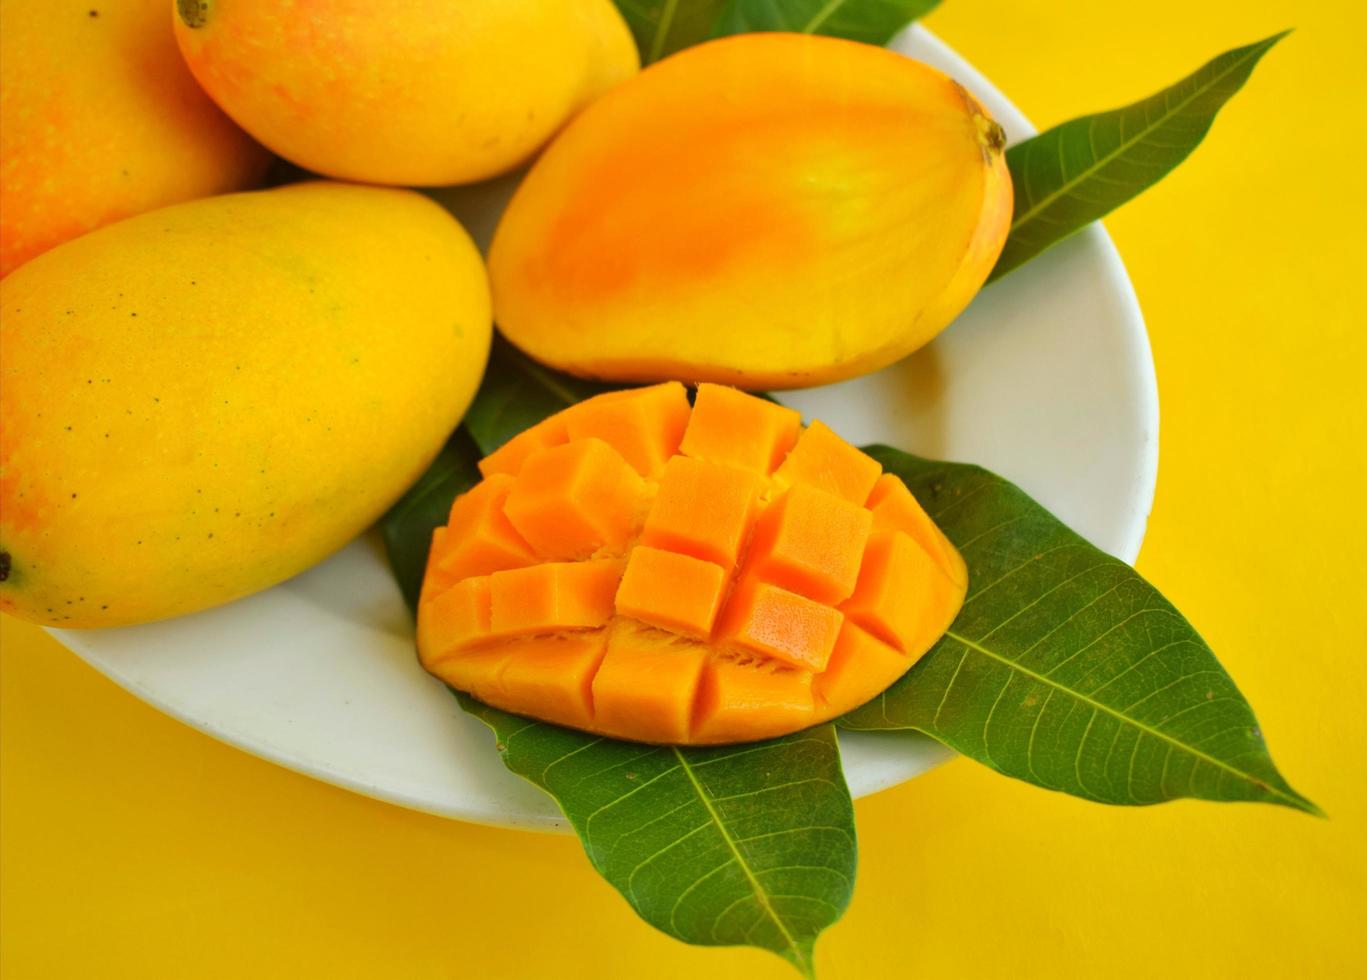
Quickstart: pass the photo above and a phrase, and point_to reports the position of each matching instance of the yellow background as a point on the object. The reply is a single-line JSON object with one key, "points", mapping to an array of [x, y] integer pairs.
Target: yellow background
{"points": [[136, 847]]}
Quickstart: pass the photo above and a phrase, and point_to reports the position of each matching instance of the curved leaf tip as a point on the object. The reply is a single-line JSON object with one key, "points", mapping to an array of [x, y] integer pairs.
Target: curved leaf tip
{"points": [[1079, 171]]}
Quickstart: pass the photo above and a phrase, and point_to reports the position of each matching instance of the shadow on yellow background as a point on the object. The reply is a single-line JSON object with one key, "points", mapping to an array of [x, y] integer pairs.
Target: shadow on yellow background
{"points": [[136, 847]]}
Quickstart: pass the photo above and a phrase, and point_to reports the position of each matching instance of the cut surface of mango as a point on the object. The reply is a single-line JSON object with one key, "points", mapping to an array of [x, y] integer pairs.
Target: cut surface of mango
{"points": [[660, 572]]}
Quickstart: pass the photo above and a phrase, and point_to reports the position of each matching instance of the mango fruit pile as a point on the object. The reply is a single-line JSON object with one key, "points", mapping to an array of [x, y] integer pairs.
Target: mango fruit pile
{"points": [[644, 569], [232, 334]]}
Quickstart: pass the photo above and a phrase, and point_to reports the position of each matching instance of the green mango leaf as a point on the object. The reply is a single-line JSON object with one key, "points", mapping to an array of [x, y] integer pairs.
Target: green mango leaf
{"points": [[1076, 173], [662, 27], [1065, 668], [738, 845], [516, 393], [870, 21], [407, 528]]}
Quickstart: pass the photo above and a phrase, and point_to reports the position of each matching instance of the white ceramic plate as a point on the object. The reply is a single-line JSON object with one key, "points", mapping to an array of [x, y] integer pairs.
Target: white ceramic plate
{"points": [[1047, 379]]}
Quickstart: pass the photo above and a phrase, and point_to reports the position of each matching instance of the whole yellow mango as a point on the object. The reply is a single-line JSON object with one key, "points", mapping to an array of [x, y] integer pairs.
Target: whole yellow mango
{"points": [[767, 210], [423, 92], [99, 120], [201, 401]]}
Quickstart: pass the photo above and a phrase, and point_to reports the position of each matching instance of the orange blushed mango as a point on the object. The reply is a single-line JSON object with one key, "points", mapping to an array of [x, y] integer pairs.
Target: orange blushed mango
{"points": [[768, 210], [100, 120], [422, 92], [682, 589]]}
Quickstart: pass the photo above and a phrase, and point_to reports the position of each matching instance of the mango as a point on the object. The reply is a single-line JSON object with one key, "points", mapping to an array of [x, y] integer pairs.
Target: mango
{"points": [[649, 570], [99, 120], [766, 210], [424, 92], [198, 402]]}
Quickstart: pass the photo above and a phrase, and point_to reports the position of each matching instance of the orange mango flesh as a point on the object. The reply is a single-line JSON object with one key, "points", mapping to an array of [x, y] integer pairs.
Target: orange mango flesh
{"points": [[649, 571]]}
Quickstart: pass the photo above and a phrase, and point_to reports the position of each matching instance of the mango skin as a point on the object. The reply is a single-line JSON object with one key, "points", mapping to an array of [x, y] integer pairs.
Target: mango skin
{"points": [[201, 401], [99, 120], [422, 93], [767, 210]]}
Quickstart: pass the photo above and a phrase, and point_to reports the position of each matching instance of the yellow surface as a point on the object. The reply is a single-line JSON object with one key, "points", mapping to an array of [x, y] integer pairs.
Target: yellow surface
{"points": [[135, 847]]}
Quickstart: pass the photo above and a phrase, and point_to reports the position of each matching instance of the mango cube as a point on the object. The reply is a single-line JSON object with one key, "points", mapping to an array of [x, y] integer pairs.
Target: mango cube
{"points": [[731, 427], [703, 509], [643, 424], [479, 537], [810, 542], [574, 500], [688, 604], [824, 460], [768, 620], [552, 597]]}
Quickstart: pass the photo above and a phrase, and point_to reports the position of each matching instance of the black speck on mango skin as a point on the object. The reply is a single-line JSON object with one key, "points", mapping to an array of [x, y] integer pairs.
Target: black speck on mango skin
{"points": [[193, 13], [6, 567]]}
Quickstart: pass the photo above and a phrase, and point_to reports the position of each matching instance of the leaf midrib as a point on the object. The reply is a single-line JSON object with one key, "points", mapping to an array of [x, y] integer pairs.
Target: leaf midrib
{"points": [[547, 381], [1101, 162], [657, 43], [799, 959], [822, 15], [1290, 799]]}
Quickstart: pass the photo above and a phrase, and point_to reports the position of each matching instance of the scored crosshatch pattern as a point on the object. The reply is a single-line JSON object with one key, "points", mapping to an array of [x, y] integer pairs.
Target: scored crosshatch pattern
{"points": [[647, 569]]}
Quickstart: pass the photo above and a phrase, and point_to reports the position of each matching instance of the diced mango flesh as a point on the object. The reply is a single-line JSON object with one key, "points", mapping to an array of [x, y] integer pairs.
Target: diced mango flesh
{"points": [[895, 509], [556, 674], [572, 501], [901, 594], [647, 684], [691, 602], [645, 428], [740, 694], [479, 537], [810, 542], [773, 622], [703, 509], [453, 620], [553, 597], [647, 571], [859, 662], [509, 458], [823, 460], [731, 427]]}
